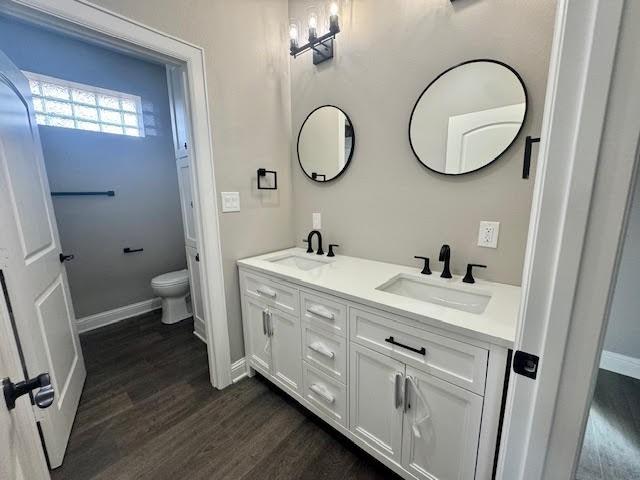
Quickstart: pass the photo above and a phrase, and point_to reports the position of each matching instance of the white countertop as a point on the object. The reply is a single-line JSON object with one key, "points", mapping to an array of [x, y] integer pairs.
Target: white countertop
{"points": [[356, 279]]}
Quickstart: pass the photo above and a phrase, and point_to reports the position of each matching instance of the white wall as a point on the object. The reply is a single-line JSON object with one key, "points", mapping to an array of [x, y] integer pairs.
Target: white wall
{"points": [[623, 331], [387, 206], [145, 213]]}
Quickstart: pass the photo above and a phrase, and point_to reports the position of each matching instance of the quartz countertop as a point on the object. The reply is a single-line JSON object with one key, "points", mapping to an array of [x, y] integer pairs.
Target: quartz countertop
{"points": [[356, 279]]}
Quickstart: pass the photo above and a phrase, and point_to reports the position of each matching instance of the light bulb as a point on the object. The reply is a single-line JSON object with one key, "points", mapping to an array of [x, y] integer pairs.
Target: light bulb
{"points": [[333, 9], [313, 21], [293, 32]]}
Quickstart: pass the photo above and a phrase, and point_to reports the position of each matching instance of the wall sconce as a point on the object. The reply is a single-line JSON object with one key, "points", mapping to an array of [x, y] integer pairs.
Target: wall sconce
{"points": [[322, 46]]}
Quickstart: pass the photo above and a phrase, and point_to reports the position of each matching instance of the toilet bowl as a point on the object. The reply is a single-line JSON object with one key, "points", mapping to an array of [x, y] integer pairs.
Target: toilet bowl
{"points": [[173, 288]]}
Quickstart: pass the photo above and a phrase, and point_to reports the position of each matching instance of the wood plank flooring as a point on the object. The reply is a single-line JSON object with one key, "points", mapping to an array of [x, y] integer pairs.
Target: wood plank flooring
{"points": [[611, 449], [148, 411]]}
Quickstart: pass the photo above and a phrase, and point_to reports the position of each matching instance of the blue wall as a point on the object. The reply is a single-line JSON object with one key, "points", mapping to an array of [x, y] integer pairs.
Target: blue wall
{"points": [[145, 211]]}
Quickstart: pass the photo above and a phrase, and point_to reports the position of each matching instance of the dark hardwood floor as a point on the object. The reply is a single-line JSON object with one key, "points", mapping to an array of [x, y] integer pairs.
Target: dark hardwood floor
{"points": [[148, 411], [611, 449]]}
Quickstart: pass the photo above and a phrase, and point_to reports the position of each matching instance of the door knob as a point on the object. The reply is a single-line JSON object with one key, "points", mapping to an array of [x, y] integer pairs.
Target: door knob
{"points": [[64, 258], [43, 397]]}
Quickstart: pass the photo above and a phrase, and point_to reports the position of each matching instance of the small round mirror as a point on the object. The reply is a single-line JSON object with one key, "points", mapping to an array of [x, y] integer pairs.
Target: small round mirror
{"points": [[468, 116], [325, 143]]}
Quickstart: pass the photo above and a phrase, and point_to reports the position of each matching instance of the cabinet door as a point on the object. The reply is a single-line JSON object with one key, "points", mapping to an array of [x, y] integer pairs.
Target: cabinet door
{"points": [[286, 352], [179, 109], [193, 264], [258, 343], [441, 429], [186, 201], [376, 408]]}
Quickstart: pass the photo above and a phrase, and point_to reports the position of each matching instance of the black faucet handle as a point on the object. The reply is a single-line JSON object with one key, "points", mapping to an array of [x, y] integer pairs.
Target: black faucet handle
{"points": [[468, 278], [309, 249], [425, 270], [330, 253]]}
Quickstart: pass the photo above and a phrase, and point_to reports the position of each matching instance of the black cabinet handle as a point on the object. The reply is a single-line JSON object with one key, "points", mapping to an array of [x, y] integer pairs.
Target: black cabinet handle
{"points": [[197, 257], [132, 250], [421, 351]]}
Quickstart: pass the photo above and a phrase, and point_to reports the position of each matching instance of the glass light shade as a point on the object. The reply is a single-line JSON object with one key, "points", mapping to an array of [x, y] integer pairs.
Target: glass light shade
{"points": [[313, 21]]}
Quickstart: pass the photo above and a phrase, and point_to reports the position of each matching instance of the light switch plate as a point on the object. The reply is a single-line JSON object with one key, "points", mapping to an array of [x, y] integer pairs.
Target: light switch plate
{"points": [[317, 221], [230, 201], [488, 234]]}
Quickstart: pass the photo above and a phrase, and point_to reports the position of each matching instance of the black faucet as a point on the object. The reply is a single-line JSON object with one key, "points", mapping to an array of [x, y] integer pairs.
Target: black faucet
{"points": [[310, 238], [445, 256]]}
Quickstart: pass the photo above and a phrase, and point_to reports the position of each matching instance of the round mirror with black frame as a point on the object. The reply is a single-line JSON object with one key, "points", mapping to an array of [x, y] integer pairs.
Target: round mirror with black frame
{"points": [[468, 117], [325, 143]]}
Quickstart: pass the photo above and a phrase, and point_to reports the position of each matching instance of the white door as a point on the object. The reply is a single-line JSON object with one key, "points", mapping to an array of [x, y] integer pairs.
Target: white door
{"points": [[193, 264], [186, 201], [286, 350], [36, 280], [477, 137], [21, 455], [257, 335], [178, 93], [376, 383], [441, 428]]}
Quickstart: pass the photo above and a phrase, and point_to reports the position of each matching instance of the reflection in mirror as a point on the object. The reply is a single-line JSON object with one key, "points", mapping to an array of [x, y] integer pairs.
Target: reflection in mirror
{"points": [[325, 143], [468, 116]]}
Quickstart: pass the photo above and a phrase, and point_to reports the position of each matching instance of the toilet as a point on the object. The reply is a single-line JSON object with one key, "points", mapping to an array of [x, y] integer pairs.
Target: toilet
{"points": [[173, 288]]}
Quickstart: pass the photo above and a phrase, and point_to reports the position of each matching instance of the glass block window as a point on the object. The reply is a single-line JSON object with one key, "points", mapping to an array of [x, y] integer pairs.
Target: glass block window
{"points": [[59, 103]]}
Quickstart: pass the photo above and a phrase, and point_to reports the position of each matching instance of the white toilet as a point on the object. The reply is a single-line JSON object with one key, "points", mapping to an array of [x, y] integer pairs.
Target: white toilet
{"points": [[173, 288]]}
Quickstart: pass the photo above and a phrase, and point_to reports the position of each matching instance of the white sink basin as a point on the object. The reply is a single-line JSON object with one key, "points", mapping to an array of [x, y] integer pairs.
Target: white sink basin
{"points": [[299, 261], [459, 297]]}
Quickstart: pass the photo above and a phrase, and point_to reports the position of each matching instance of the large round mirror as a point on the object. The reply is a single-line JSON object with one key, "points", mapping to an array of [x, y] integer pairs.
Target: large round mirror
{"points": [[325, 143], [468, 116]]}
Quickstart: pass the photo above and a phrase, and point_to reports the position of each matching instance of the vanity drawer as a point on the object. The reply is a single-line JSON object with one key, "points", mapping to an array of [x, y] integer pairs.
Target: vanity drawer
{"points": [[325, 351], [456, 362], [325, 395], [324, 313], [282, 297]]}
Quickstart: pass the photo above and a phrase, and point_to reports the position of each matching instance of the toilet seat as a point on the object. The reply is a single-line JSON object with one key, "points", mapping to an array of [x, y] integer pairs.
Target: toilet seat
{"points": [[172, 278]]}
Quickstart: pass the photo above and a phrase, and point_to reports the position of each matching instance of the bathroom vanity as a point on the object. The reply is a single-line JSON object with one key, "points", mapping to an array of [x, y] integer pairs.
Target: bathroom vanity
{"points": [[410, 367]]}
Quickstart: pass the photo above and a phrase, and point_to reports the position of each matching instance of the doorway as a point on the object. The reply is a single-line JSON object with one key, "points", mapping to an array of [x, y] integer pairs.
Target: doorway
{"points": [[611, 445], [54, 299]]}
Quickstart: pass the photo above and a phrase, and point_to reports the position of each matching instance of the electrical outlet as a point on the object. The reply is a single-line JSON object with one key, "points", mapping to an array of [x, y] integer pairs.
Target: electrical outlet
{"points": [[488, 234], [317, 221], [230, 201]]}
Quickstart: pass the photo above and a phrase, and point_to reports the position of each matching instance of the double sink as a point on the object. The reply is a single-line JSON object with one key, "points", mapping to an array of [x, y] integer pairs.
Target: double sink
{"points": [[437, 291]]}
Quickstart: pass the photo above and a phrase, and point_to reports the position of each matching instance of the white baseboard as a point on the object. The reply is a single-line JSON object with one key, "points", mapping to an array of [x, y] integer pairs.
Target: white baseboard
{"points": [[102, 319], [200, 337], [199, 329], [621, 364], [238, 370]]}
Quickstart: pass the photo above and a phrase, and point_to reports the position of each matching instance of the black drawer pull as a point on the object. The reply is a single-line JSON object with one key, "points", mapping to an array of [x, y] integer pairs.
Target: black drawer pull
{"points": [[132, 250], [421, 351]]}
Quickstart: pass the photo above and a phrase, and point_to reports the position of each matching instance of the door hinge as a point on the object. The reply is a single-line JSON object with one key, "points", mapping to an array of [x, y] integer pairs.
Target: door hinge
{"points": [[526, 364]]}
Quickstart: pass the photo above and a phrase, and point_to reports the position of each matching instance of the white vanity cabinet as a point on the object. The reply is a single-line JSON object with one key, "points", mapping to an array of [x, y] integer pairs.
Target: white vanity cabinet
{"points": [[272, 336], [441, 428], [424, 401]]}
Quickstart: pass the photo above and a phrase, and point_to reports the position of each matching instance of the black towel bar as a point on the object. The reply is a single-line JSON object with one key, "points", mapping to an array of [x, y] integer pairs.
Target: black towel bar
{"points": [[108, 193]]}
